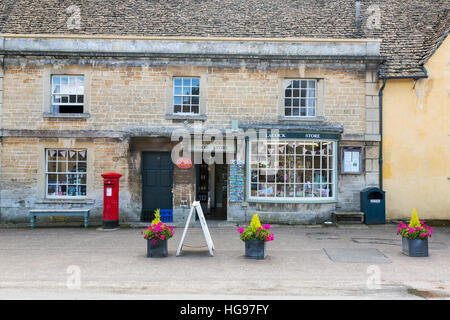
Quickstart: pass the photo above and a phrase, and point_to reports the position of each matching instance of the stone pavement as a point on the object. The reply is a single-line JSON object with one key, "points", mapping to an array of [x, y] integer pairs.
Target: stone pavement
{"points": [[304, 262]]}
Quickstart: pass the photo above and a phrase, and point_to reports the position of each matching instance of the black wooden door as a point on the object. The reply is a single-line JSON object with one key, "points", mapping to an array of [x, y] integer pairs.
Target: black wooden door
{"points": [[157, 183]]}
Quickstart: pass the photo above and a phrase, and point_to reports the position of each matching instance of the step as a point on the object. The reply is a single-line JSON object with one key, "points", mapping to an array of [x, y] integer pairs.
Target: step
{"points": [[348, 217]]}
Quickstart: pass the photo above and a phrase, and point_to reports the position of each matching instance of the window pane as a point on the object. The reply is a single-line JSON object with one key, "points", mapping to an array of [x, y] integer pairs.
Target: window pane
{"points": [[288, 112], [72, 190], [81, 167], [72, 178], [51, 179], [62, 167], [62, 178], [195, 82], [51, 190], [62, 191], [178, 91], [82, 155], [51, 166], [81, 190], [187, 91], [177, 81]]}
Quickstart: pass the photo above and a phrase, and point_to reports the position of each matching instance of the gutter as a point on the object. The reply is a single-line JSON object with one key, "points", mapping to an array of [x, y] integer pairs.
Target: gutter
{"points": [[380, 101]]}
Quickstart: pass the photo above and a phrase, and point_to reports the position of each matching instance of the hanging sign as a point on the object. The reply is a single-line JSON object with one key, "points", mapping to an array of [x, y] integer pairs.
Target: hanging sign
{"points": [[184, 163]]}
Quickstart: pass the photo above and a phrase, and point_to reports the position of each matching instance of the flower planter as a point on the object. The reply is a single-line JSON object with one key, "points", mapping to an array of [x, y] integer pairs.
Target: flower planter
{"points": [[255, 249], [157, 250], [415, 247]]}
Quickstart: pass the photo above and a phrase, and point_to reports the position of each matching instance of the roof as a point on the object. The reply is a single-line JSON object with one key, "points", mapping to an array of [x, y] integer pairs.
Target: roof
{"points": [[409, 29]]}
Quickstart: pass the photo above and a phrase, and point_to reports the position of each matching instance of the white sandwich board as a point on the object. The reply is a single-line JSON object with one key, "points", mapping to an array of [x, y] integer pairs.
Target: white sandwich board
{"points": [[197, 207]]}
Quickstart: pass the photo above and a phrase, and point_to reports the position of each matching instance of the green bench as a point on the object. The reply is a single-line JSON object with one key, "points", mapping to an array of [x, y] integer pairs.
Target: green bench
{"points": [[59, 212]]}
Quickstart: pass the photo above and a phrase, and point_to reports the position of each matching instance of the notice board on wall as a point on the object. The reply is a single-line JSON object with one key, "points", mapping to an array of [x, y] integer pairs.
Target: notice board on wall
{"points": [[237, 180]]}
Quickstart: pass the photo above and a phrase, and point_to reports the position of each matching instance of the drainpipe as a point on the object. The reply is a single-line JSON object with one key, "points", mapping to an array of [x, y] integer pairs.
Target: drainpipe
{"points": [[380, 98]]}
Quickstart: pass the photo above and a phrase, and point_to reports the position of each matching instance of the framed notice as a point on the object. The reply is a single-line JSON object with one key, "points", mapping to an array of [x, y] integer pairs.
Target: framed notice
{"points": [[351, 160]]}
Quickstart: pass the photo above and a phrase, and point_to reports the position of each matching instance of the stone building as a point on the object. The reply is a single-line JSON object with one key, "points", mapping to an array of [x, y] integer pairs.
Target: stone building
{"points": [[92, 87]]}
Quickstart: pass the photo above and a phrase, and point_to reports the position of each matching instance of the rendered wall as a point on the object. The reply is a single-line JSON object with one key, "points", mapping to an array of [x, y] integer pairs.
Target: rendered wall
{"points": [[416, 142]]}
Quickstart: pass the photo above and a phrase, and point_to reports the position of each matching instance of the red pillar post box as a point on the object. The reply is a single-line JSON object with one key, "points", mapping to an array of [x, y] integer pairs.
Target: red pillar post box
{"points": [[111, 200]]}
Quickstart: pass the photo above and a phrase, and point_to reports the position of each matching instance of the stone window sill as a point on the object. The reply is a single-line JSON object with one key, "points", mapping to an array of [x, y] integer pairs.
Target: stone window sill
{"points": [[200, 117], [301, 119], [69, 116]]}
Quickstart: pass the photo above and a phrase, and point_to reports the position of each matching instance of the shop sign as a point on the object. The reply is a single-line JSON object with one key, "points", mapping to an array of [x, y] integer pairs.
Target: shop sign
{"points": [[212, 147], [303, 135]]}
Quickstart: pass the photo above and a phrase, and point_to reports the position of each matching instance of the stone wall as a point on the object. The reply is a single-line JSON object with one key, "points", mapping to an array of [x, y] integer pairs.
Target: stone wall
{"points": [[126, 97]]}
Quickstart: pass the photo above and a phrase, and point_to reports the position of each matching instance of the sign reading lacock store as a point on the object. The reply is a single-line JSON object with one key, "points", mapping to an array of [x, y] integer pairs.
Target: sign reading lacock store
{"points": [[294, 167]]}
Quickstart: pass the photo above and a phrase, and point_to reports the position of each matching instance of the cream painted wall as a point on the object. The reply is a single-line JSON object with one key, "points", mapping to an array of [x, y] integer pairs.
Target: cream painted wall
{"points": [[416, 142]]}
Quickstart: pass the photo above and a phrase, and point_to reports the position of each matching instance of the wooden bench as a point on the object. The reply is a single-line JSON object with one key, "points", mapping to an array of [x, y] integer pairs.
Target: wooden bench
{"points": [[59, 212]]}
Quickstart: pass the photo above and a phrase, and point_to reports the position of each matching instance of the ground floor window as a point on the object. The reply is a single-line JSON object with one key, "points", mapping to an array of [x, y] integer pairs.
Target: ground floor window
{"points": [[292, 169], [66, 172]]}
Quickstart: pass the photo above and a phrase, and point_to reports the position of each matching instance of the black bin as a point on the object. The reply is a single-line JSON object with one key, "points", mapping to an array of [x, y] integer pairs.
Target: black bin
{"points": [[373, 205]]}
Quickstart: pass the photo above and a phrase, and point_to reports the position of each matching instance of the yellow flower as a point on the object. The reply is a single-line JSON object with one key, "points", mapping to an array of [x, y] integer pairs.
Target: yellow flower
{"points": [[415, 222], [157, 218], [255, 223]]}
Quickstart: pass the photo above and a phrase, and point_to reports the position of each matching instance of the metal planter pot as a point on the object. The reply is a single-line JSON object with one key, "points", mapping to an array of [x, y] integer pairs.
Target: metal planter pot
{"points": [[415, 247], [255, 249], [157, 250]]}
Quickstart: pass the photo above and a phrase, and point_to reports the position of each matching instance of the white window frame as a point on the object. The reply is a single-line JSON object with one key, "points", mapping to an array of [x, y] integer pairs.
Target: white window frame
{"points": [[310, 102], [331, 175], [66, 172], [182, 95], [75, 86]]}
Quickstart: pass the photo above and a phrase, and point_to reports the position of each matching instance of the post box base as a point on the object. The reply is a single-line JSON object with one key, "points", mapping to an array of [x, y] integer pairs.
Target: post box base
{"points": [[110, 224]]}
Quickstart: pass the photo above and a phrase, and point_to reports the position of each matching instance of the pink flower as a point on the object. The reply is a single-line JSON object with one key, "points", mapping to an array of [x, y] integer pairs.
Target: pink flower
{"points": [[163, 237], [411, 231], [422, 235]]}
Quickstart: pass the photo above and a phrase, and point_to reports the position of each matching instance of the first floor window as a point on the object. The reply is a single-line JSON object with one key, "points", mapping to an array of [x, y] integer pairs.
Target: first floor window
{"points": [[66, 172], [300, 98], [186, 95], [67, 94], [292, 169]]}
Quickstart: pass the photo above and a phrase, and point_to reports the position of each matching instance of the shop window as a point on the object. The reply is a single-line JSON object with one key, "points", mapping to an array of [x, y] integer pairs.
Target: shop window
{"points": [[67, 94], [186, 95], [66, 172], [300, 98], [292, 170]]}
